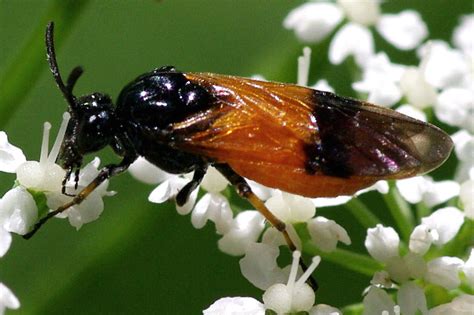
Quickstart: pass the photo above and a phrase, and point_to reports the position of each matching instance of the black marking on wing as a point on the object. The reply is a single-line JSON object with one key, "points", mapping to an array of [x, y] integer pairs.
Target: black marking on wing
{"points": [[364, 140]]}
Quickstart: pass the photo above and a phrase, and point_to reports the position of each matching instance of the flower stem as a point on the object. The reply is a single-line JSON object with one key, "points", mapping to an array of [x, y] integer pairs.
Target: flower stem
{"points": [[27, 66], [400, 211], [360, 263], [362, 213], [422, 210]]}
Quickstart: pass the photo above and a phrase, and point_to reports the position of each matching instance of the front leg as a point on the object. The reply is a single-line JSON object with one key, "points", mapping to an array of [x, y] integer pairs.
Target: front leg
{"points": [[106, 173]]}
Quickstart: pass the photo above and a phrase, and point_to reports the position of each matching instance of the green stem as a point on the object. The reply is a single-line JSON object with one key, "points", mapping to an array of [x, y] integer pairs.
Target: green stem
{"points": [[422, 210], [360, 263], [27, 66], [362, 213], [400, 211]]}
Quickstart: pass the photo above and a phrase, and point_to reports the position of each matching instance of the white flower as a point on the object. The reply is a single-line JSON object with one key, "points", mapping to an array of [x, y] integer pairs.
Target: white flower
{"points": [[444, 271], [352, 39], [235, 306], [411, 111], [90, 208], [214, 207], [10, 156], [444, 66], [468, 269], [377, 301], [295, 296], [466, 195], [311, 16], [313, 21], [462, 35], [416, 89], [382, 243], [411, 298], [380, 79], [405, 30], [455, 106], [18, 211], [168, 190], [421, 239], [146, 172], [381, 186], [259, 265], [461, 305], [326, 233], [446, 222], [5, 241], [45, 175], [323, 85], [323, 309], [245, 229], [464, 148], [423, 188], [362, 12], [7, 299], [291, 208]]}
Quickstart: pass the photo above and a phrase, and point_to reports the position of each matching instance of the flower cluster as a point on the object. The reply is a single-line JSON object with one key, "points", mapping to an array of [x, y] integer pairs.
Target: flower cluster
{"points": [[38, 190]]}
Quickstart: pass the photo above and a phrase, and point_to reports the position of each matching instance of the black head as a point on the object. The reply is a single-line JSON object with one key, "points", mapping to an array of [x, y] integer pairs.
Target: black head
{"points": [[92, 123]]}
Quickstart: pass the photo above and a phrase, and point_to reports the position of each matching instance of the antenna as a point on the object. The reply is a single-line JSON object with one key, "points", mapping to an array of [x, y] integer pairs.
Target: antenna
{"points": [[53, 65]]}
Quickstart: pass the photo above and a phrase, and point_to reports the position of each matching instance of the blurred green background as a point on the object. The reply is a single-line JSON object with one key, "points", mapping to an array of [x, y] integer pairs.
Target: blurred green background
{"points": [[143, 258]]}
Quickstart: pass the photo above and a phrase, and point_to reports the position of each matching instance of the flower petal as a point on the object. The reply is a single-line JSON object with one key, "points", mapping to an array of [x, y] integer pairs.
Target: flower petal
{"points": [[10, 156], [362, 12], [259, 266], [461, 305], [7, 298], [418, 92], [376, 301], [421, 239], [5, 241], [462, 35], [443, 66], [326, 233], [214, 207], [18, 211], [323, 309], [405, 30], [235, 306], [246, 228], [312, 22], [411, 298], [446, 221], [351, 40], [411, 111], [214, 181], [382, 243], [466, 195], [146, 172], [380, 80], [455, 106], [444, 271], [291, 208], [468, 269]]}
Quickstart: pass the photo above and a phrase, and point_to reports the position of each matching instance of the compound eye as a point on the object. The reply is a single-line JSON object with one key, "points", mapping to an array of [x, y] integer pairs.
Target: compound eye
{"points": [[193, 96]]}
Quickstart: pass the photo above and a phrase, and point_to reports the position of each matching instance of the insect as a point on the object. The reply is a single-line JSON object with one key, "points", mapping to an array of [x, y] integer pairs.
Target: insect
{"points": [[293, 138]]}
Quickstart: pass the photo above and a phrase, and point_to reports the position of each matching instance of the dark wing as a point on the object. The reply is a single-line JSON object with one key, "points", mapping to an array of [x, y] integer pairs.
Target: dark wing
{"points": [[304, 141]]}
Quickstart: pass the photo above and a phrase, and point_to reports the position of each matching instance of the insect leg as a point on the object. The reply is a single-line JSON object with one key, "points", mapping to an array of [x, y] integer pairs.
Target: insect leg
{"points": [[244, 190], [107, 172], [183, 195]]}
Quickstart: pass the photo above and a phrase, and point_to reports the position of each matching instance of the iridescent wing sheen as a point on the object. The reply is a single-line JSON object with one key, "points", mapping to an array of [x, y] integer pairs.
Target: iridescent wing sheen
{"points": [[305, 141]]}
